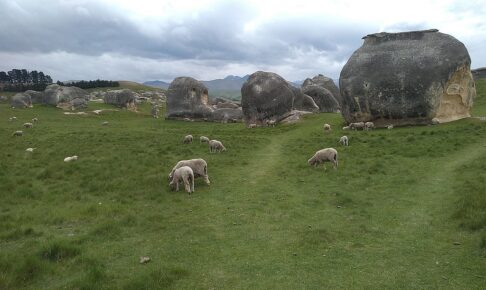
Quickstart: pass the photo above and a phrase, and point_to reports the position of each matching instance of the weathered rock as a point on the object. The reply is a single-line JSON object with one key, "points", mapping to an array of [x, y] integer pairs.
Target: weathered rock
{"points": [[35, 96], [266, 96], [407, 78], [303, 102], [322, 97], [187, 98], [326, 83], [21, 100], [479, 73], [121, 98], [293, 116], [227, 115], [3, 99], [68, 98]]}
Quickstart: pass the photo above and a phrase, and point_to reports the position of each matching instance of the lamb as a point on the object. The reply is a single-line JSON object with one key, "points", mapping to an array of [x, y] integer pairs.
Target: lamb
{"points": [[18, 133], [198, 166], [203, 139], [185, 175], [271, 123], [34, 120], [345, 128], [216, 146], [389, 127], [344, 141], [324, 155], [12, 119], [253, 125], [70, 158], [327, 128], [369, 126], [356, 126], [28, 125], [187, 139], [30, 150]]}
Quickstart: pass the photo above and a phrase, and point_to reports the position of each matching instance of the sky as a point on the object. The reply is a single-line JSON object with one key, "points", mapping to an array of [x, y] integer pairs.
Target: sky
{"points": [[209, 39]]}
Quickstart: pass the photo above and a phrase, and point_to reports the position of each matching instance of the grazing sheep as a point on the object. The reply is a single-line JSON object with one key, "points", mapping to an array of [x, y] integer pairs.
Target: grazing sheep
{"points": [[185, 175], [30, 150], [389, 127], [346, 128], [324, 155], [12, 119], [105, 123], [369, 126], [435, 121], [356, 126], [198, 166], [327, 128], [28, 125], [70, 158], [250, 126], [187, 139], [35, 120], [216, 146], [344, 141], [203, 139], [18, 133], [271, 123]]}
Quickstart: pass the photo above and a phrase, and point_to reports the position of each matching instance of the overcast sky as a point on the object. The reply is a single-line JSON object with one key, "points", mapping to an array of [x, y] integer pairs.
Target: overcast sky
{"points": [[159, 40]]}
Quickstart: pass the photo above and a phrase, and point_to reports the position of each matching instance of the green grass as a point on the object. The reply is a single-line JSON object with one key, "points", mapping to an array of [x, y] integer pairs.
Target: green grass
{"points": [[404, 210]]}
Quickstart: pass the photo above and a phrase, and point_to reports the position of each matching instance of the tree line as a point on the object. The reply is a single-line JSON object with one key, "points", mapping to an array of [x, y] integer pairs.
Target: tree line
{"points": [[19, 80], [90, 84]]}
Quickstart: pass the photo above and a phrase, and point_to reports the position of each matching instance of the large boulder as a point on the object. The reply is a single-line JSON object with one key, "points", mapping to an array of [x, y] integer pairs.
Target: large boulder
{"points": [[324, 82], [303, 102], [322, 97], [407, 78], [479, 73], [21, 100], [187, 98], [67, 98], [227, 115], [266, 96], [121, 98]]}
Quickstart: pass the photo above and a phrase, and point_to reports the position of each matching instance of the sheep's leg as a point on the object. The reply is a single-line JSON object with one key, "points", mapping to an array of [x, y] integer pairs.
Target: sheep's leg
{"points": [[187, 187], [177, 186], [206, 179], [192, 183]]}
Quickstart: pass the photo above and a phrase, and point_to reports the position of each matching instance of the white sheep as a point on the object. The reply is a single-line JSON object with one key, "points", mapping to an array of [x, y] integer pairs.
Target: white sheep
{"points": [[105, 123], [435, 121], [216, 146], [271, 123], [356, 126], [327, 127], [203, 139], [345, 128], [12, 119], [389, 127], [198, 166], [34, 120], [187, 139], [30, 150], [28, 125], [324, 155], [71, 158], [253, 125], [18, 133], [369, 126], [344, 141], [185, 175]]}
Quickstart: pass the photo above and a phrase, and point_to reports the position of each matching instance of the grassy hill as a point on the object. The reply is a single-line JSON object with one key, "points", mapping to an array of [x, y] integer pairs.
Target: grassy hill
{"points": [[405, 210]]}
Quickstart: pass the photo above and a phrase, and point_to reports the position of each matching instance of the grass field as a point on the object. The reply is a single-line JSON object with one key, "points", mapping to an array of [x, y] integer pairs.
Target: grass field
{"points": [[405, 210]]}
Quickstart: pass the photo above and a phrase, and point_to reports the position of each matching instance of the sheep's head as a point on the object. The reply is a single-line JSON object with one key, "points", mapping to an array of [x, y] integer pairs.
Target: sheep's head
{"points": [[311, 161]]}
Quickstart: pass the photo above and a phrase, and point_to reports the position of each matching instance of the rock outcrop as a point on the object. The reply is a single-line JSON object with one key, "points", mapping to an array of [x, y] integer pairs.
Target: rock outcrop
{"points": [[121, 98], [322, 97], [407, 78], [21, 100], [326, 83], [67, 98], [479, 73]]}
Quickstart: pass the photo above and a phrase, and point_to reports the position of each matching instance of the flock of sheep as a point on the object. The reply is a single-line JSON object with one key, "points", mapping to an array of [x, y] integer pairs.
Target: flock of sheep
{"points": [[25, 125]]}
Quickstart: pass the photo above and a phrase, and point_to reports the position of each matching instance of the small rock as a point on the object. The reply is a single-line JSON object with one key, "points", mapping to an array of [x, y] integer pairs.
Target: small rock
{"points": [[456, 243], [144, 260]]}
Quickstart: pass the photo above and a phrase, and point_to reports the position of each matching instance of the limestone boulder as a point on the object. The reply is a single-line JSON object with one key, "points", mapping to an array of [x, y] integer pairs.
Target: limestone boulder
{"points": [[322, 97], [227, 115], [479, 73], [121, 98], [188, 98], [326, 83], [303, 102], [21, 100], [407, 78]]}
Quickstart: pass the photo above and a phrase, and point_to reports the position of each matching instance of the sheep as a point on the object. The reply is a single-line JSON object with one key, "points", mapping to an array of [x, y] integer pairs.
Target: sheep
{"points": [[389, 127], [324, 155], [105, 123], [35, 120], [271, 123], [187, 139], [216, 146], [198, 166], [12, 119], [30, 150], [185, 175], [253, 125], [203, 139], [345, 128], [356, 126], [327, 128], [28, 125], [70, 158], [344, 141], [435, 121], [18, 133], [369, 126]]}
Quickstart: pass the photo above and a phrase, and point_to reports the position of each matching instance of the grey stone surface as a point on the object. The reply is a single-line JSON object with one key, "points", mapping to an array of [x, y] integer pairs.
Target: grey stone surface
{"points": [[21, 100], [187, 98], [407, 78], [322, 97], [479, 73], [121, 98], [326, 83]]}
